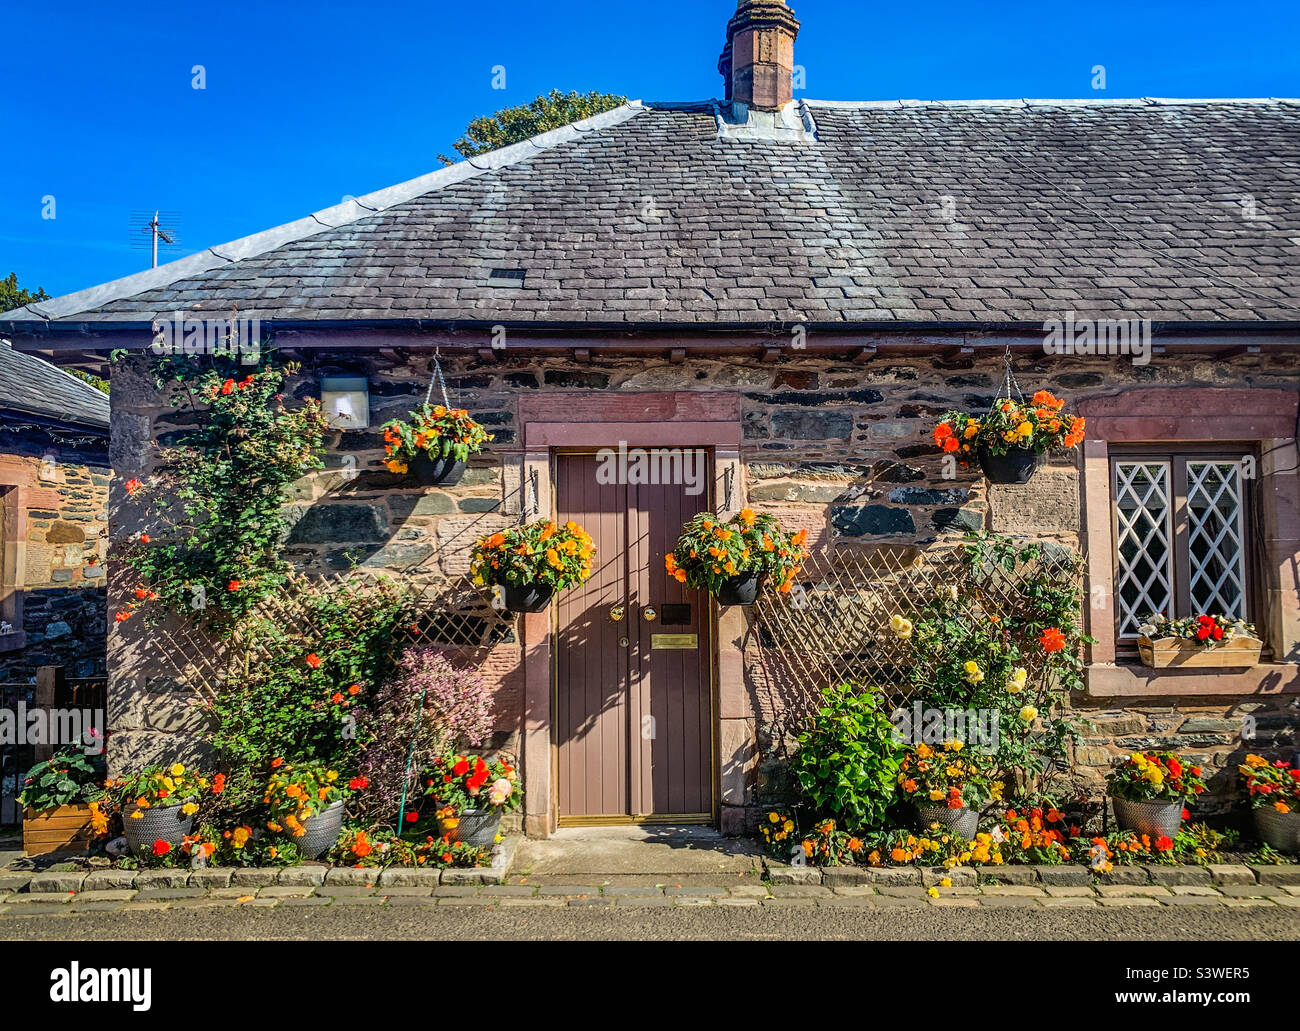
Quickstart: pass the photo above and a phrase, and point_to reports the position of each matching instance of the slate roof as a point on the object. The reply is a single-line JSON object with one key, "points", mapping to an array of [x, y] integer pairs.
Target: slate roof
{"points": [[885, 213], [30, 386]]}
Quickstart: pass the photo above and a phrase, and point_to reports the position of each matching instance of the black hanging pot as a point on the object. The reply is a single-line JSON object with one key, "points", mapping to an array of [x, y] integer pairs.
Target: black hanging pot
{"points": [[739, 590], [533, 597], [1016, 466], [436, 472]]}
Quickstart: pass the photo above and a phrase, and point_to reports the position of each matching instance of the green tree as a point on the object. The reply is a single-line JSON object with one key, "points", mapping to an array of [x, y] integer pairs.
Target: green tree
{"points": [[515, 124], [12, 297]]}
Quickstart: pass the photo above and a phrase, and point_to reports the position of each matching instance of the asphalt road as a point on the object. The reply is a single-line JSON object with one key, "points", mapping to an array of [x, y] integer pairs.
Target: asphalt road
{"points": [[767, 923]]}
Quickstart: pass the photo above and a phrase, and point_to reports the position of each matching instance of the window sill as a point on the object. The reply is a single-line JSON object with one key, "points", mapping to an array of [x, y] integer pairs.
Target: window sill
{"points": [[12, 642], [1134, 680]]}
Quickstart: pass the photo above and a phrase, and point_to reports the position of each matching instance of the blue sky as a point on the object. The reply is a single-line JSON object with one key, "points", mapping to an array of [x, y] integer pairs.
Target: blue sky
{"points": [[308, 102]]}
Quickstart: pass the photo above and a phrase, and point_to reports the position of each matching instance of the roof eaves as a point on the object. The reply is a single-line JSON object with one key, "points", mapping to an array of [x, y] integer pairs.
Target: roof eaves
{"points": [[333, 217]]}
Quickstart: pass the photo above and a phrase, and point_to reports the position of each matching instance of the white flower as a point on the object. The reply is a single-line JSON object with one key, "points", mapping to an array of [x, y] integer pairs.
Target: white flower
{"points": [[948, 592], [500, 791]]}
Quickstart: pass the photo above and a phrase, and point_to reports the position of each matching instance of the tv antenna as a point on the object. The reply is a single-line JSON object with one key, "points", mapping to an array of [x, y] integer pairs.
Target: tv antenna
{"points": [[151, 223]]}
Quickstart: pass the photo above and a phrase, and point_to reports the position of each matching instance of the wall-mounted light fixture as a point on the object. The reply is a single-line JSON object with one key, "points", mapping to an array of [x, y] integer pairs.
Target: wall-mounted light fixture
{"points": [[346, 401]]}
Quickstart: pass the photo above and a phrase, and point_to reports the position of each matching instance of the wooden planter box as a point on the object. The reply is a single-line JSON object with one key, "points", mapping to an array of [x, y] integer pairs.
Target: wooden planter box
{"points": [[66, 829], [1180, 652]]}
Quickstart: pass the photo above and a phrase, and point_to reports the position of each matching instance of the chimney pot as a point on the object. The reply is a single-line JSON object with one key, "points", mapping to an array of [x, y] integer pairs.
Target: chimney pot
{"points": [[757, 63]]}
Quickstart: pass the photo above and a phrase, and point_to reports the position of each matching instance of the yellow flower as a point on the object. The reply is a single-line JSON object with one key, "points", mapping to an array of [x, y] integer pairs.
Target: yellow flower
{"points": [[773, 818], [936, 796], [902, 627], [1154, 775], [1028, 714], [974, 674], [933, 893], [189, 809], [137, 815], [178, 770], [946, 883]]}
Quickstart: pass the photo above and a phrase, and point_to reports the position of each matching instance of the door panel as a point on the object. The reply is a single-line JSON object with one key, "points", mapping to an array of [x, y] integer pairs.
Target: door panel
{"points": [[634, 723]]}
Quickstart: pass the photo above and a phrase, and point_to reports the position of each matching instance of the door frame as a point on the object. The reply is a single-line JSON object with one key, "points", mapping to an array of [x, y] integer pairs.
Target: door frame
{"points": [[570, 421], [709, 626]]}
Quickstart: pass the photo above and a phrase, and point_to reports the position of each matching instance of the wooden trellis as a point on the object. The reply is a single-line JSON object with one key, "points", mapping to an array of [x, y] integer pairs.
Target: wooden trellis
{"points": [[834, 627], [435, 611]]}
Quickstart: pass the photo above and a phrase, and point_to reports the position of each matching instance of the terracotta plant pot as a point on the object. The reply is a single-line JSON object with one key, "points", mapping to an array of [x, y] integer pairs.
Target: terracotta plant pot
{"points": [[1158, 819], [65, 829], [476, 827], [1017, 466], [157, 823], [739, 590], [435, 472], [963, 822], [532, 597], [1281, 830], [322, 831]]}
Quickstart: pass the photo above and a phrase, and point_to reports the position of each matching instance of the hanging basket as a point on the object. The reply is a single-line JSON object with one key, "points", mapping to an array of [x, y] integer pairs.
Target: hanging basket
{"points": [[532, 597], [436, 472], [1017, 466], [739, 590]]}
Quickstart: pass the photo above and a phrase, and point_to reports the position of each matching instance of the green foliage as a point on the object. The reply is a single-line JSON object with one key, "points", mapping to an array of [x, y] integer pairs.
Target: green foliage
{"points": [[214, 508], [69, 777], [848, 759], [303, 693], [516, 124], [12, 296]]}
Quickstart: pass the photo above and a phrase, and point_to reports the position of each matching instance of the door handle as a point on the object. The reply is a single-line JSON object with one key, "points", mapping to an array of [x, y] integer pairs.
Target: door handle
{"points": [[649, 614]]}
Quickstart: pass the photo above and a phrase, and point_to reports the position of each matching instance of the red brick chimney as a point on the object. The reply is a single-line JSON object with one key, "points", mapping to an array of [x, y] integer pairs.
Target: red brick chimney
{"points": [[757, 63]]}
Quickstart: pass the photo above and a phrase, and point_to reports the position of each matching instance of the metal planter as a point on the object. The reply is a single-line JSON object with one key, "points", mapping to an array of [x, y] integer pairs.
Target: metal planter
{"points": [[1017, 466], [1157, 819], [739, 590], [1280, 830], [322, 831], [157, 823], [962, 822], [477, 827]]}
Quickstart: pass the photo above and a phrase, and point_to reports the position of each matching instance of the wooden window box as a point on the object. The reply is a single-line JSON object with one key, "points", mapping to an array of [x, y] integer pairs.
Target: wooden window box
{"points": [[1166, 652]]}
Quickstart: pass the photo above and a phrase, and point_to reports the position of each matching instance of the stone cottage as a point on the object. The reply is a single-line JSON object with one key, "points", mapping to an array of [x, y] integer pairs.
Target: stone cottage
{"points": [[54, 477], [795, 288]]}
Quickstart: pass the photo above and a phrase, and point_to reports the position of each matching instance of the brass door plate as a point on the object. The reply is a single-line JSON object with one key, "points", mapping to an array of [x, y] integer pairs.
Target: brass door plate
{"points": [[665, 642]]}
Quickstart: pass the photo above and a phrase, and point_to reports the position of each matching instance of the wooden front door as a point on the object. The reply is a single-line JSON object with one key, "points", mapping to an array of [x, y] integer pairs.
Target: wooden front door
{"points": [[634, 708]]}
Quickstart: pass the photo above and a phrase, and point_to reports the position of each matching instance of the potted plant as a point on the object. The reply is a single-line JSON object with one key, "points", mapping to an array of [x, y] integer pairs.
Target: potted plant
{"points": [[526, 565], [947, 787], [472, 794], [733, 560], [433, 444], [1202, 640], [1010, 440], [1150, 792], [60, 799], [305, 802], [158, 804], [1274, 793]]}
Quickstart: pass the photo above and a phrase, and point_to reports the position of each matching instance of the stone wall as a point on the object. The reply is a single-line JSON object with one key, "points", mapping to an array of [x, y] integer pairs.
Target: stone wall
{"points": [[841, 448], [57, 488]]}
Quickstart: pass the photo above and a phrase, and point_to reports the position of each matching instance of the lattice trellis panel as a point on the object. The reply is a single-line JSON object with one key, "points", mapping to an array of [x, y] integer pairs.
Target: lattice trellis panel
{"points": [[436, 611], [835, 626]]}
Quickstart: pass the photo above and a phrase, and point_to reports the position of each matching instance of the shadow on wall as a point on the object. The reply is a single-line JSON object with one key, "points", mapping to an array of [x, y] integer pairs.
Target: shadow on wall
{"points": [[66, 626]]}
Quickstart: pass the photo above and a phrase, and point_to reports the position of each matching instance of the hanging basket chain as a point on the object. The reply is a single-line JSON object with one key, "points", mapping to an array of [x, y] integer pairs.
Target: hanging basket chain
{"points": [[437, 378], [1009, 383]]}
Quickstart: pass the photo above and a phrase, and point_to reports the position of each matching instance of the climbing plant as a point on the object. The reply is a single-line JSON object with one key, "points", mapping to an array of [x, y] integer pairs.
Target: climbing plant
{"points": [[211, 514]]}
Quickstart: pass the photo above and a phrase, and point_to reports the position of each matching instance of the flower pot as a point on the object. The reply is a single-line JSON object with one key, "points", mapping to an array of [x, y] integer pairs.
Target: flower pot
{"points": [[962, 822], [739, 590], [1016, 466], [321, 831], [1164, 652], [1281, 830], [532, 597], [157, 823], [476, 827], [65, 829], [435, 472], [1158, 819]]}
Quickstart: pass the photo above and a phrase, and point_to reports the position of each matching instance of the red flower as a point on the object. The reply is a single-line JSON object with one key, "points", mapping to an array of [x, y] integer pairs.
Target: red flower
{"points": [[462, 766], [358, 784], [336, 698], [218, 783], [161, 848], [133, 485], [446, 857], [1164, 844], [234, 585], [121, 617], [1195, 771], [1186, 815], [313, 660], [1052, 640], [354, 689], [412, 817], [1175, 767], [277, 763], [144, 538], [228, 387]]}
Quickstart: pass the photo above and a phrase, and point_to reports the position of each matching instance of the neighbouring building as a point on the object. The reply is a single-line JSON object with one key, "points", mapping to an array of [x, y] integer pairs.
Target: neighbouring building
{"points": [[796, 288], [54, 477]]}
